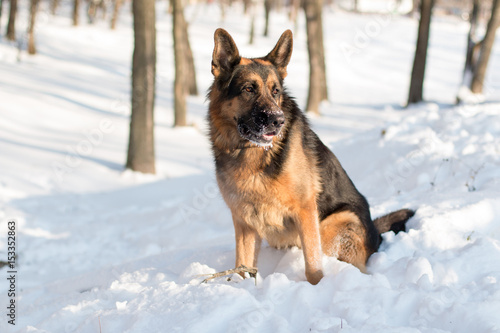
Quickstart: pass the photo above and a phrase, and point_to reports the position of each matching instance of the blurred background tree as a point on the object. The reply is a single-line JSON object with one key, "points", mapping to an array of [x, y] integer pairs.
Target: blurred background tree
{"points": [[11, 26], [419, 61], [141, 152]]}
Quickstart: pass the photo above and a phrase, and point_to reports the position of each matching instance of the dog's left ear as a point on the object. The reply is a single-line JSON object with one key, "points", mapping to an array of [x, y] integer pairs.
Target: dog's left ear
{"points": [[280, 55]]}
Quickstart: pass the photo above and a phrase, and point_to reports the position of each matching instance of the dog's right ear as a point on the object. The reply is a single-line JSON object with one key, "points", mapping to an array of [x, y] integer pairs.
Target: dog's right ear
{"points": [[226, 54]]}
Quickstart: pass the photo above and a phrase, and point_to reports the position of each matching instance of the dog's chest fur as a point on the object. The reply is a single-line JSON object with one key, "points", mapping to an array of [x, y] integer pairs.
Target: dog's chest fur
{"points": [[263, 201]]}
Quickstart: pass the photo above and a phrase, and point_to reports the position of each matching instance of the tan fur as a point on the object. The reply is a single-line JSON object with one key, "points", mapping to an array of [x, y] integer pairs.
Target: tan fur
{"points": [[343, 236], [263, 62], [245, 61]]}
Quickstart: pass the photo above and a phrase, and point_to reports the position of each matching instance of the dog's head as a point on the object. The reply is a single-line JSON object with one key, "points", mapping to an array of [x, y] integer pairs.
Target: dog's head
{"points": [[251, 89]]}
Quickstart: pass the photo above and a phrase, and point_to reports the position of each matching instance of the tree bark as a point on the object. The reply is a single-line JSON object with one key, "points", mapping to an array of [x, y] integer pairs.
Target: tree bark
{"points": [[11, 26], [192, 87], [141, 153], [414, 8], [180, 86], [471, 42], [1, 9], [54, 4], [76, 9], [318, 90], [222, 10], [116, 11], [267, 11], [246, 5], [252, 26], [485, 50], [417, 74], [31, 28], [294, 13], [472, 48]]}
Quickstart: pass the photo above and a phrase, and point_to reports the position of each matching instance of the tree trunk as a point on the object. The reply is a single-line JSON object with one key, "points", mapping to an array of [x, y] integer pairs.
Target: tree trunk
{"points": [[180, 86], [294, 13], [76, 9], [317, 70], [54, 4], [485, 50], [141, 153], [1, 8], [222, 10], [191, 86], [116, 11], [472, 49], [355, 6], [31, 28], [267, 11], [471, 43], [252, 27], [11, 26], [414, 8], [246, 5], [417, 74]]}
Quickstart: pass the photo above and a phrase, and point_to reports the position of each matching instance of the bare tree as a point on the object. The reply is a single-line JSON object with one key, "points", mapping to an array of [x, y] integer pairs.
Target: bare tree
{"points": [[180, 90], [250, 7], [318, 90], [246, 5], [185, 73], [1, 8], [417, 74], [294, 13], [54, 4], [192, 87], [31, 28], [486, 45], [223, 5], [11, 26], [472, 47], [414, 8], [116, 10], [76, 10], [267, 12], [141, 152]]}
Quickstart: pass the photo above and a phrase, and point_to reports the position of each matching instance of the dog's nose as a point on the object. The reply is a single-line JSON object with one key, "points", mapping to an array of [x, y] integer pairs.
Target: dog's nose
{"points": [[277, 120], [270, 120]]}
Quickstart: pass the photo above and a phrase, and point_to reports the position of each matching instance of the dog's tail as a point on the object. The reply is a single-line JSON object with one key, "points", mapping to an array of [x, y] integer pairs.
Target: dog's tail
{"points": [[394, 221]]}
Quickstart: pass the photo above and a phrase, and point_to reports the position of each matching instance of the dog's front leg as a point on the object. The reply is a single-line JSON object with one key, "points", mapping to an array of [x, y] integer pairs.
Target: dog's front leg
{"points": [[311, 242], [248, 244]]}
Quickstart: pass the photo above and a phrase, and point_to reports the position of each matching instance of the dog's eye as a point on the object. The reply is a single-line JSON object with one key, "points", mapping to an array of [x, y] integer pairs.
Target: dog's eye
{"points": [[276, 91], [249, 89]]}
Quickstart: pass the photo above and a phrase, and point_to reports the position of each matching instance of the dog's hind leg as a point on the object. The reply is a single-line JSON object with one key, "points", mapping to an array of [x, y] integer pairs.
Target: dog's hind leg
{"points": [[343, 236]]}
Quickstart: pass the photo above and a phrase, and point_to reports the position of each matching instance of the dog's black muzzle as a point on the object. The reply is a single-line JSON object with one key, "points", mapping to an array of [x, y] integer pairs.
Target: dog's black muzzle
{"points": [[261, 126]]}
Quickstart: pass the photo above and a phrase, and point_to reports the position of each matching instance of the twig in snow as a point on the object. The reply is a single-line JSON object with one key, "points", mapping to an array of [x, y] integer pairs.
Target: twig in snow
{"points": [[473, 174], [241, 269]]}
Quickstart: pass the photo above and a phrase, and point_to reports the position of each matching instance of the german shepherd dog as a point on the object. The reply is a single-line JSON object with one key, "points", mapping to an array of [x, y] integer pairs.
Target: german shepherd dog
{"points": [[279, 180]]}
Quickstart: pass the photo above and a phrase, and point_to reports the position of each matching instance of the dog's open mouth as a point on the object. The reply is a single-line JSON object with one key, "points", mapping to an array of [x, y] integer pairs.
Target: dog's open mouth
{"points": [[262, 138]]}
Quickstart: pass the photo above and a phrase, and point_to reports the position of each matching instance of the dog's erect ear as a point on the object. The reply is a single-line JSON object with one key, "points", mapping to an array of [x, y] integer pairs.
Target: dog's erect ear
{"points": [[280, 55], [226, 54]]}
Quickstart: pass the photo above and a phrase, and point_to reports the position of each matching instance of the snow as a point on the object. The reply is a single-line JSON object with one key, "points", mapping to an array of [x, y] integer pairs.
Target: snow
{"points": [[104, 249]]}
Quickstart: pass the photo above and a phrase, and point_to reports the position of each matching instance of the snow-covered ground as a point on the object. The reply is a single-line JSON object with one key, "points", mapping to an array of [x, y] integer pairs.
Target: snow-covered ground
{"points": [[101, 249]]}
